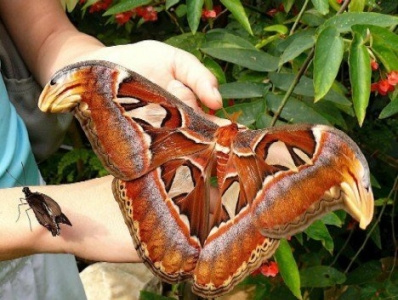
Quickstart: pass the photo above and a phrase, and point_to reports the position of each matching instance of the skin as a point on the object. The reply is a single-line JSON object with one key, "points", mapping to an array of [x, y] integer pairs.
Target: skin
{"points": [[48, 41]]}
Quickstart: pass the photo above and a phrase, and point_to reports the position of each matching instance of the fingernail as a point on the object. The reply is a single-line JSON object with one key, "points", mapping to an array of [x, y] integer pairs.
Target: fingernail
{"points": [[217, 94]]}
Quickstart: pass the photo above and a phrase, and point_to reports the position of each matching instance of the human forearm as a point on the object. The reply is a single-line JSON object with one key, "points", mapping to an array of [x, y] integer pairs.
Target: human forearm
{"points": [[98, 231], [45, 37]]}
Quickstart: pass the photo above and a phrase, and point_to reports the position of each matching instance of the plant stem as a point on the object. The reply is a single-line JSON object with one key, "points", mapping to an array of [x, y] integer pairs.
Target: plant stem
{"points": [[393, 231], [299, 17], [293, 85], [303, 67], [175, 21], [376, 223], [342, 248]]}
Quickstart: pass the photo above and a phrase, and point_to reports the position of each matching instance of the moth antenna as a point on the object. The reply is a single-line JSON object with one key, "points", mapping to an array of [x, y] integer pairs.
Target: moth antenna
{"points": [[13, 177], [233, 117], [23, 171]]}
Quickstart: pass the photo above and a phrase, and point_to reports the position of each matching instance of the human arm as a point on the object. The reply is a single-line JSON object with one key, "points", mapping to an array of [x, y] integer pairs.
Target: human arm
{"points": [[98, 231], [48, 41]]}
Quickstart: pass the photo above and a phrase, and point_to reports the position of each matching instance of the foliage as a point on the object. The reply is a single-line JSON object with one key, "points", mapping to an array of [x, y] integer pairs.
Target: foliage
{"points": [[290, 61]]}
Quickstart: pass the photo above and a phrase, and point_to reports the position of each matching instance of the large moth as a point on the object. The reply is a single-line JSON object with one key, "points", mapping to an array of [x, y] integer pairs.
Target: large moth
{"points": [[273, 183]]}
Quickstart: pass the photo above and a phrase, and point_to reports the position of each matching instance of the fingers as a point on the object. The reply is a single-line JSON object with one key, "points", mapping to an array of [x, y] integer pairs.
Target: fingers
{"points": [[192, 73], [183, 93]]}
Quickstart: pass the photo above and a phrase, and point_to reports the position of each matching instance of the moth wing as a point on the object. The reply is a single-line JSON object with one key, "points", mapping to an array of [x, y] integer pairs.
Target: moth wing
{"points": [[166, 212], [116, 106]]}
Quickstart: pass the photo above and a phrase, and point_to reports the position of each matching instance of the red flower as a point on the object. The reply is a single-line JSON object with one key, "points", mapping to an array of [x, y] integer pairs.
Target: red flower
{"points": [[339, 1], [123, 18], [392, 77], [269, 269], [374, 65], [374, 87], [383, 87], [211, 13], [148, 13], [100, 5]]}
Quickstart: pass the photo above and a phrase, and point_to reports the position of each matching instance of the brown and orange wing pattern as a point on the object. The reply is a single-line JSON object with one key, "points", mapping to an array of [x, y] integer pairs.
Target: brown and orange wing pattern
{"points": [[272, 183]]}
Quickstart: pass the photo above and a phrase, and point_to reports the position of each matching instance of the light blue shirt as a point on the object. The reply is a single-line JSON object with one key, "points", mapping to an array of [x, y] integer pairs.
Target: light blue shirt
{"points": [[41, 276], [16, 158]]}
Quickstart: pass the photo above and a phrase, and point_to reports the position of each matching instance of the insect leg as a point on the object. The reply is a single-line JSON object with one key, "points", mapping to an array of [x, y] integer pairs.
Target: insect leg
{"points": [[19, 207], [26, 211], [30, 222]]}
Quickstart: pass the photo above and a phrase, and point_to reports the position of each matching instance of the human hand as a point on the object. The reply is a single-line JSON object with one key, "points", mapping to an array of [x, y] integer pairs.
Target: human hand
{"points": [[173, 69]]}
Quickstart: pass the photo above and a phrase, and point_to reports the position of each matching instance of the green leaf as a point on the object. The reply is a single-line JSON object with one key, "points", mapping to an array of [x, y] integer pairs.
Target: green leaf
{"points": [[194, 12], [375, 236], [288, 4], [360, 76], [321, 276], [69, 5], [390, 109], [319, 232], [282, 29], [215, 68], [250, 111], [321, 5], [344, 22], [237, 10], [181, 10], [356, 6], [296, 47], [307, 34], [329, 111], [221, 38], [295, 111], [242, 90], [252, 59], [188, 42], [89, 3], [383, 201], [288, 267], [332, 219], [305, 87], [313, 18], [364, 273], [170, 3], [387, 55], [329, 49], [125, 6], [384, 44]]}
